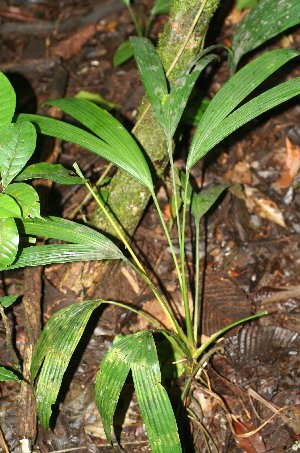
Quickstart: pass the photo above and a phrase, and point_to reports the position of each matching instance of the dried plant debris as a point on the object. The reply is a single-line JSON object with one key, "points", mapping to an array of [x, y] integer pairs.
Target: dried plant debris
{"points": [[264, 344]]}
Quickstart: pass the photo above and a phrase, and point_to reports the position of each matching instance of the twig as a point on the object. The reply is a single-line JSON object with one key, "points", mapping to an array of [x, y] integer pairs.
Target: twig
{"points": [[3, 442]]}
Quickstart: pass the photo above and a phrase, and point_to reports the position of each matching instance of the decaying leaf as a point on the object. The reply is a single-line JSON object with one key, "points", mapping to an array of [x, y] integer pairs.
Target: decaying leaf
{"points": [[292, 165], [252, 443], [258, 203]]}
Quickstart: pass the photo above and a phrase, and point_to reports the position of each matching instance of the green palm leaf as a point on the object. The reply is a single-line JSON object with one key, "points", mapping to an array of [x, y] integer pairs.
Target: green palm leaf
{"points": [[87, 244], [218, 120], [54, 350], [266, 20], [138, 353], [126, 156]]}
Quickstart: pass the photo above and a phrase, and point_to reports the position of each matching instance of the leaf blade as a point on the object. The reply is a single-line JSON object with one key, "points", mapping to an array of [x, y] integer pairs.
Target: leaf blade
{"points": [[262, 103], [26, 197], [9, 241], [55, 348], [16, 147], [55, 172], [152, 74], [233, 93], [73, 134], [266, 20], [8, 101]]}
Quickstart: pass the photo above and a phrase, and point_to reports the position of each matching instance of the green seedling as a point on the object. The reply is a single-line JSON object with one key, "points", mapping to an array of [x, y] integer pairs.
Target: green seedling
{"points": [[125, 51]]}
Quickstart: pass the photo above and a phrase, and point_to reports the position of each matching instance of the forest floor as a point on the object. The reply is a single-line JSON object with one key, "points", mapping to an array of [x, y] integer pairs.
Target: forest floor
{"points": [[250, 245]]}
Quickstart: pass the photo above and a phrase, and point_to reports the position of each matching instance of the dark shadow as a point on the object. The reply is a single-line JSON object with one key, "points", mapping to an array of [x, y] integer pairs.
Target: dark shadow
{"points": [[26, 98]]}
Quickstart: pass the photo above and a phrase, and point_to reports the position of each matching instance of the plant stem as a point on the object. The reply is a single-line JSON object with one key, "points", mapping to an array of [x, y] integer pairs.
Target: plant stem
{"points": [[168, 239], [8, 339], [188, 319], [111, 220], [137, 26], [196, 299], [165, 307]]}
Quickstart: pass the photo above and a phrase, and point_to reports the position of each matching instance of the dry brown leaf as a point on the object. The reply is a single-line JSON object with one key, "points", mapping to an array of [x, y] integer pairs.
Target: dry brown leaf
{"points": [[240, 174], [258, 203], [292, 165], [74, 43], [250, 444]]}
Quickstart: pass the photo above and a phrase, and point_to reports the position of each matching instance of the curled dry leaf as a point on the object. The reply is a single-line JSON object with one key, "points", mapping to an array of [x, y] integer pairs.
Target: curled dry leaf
{"points": [[258, 203], [72, 45], [253, 443], [292, 165]]}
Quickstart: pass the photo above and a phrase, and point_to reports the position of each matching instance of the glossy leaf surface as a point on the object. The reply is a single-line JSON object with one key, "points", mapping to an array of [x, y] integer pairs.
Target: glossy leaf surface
{"points": [[54, 351], [16, 147], [152, 74], [9, 208], [9, 241], [138, 353], [266, 20], [8, 101], [55, 172], [27, 198]]}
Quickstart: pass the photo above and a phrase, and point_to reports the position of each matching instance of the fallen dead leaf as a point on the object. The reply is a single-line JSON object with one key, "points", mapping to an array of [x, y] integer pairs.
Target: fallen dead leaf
{"points": [[72, 45], [252, 443], [292, 165], [259, 204], [240, 174]]}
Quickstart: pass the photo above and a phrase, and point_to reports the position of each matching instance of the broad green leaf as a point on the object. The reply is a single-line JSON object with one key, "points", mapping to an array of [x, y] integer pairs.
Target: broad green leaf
{"points": [[125, 2], [204, 200], [8, 101], [152, 74], [27, 198], [123, 53], [138, 353], [54, 351], [17, 144], [8, 375], [9, 208], [55, 172], [262, 103], [161, 7], [232, 94], [7, 301], [266, 20], [9, 241], [126, 156]]}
